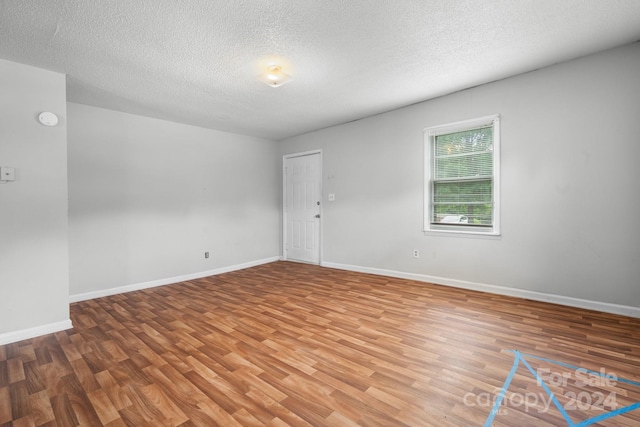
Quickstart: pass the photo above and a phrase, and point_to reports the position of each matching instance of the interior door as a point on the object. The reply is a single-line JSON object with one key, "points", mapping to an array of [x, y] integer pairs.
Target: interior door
{"points": [[302, 177]]}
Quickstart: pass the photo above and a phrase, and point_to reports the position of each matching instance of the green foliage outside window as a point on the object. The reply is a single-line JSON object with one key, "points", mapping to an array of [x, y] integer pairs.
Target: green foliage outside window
{"points": [[463, 176]]}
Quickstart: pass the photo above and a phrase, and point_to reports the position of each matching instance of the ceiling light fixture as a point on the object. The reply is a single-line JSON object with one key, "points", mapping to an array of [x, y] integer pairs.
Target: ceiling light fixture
{"points": [[275, 77]]}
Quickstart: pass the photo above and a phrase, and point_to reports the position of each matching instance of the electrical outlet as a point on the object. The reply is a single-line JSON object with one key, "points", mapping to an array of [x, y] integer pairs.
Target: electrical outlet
{"points": [[206, 254], [416, 253]]}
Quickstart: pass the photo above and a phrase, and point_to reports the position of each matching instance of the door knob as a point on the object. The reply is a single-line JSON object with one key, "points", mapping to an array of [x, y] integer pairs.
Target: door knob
{"points": [[317, 215]]}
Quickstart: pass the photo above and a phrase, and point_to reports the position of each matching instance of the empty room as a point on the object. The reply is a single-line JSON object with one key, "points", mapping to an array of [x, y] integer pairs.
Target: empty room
{"points": [[319, 213]]}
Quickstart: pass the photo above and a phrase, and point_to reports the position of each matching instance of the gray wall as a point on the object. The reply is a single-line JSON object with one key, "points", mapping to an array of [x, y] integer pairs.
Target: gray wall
{"points": [[34, 269], [148, 197], [570, 184]]}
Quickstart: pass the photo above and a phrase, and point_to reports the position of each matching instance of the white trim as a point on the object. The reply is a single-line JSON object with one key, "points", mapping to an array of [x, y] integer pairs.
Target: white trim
{"points": [[429, 134], [605, 307], [284, 202], [460, 125], [168, 281], [304, 153], [460, 233], [24, 334]]}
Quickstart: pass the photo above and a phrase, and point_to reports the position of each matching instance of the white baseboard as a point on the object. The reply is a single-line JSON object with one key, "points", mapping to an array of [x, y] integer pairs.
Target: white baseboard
{"points": [[499, 290], [167, 281], [24, 334]]}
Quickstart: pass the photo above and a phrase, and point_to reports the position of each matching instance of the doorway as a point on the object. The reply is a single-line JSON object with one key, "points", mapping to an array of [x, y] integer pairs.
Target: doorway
{"points": [[302, 179]]}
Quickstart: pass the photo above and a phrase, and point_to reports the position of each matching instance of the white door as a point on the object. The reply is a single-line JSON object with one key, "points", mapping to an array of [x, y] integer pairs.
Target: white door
{"points": [[302, 178]]}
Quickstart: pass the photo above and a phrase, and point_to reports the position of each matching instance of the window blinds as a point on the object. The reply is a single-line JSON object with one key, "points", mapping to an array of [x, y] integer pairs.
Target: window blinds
{"points": [[462, 183]]}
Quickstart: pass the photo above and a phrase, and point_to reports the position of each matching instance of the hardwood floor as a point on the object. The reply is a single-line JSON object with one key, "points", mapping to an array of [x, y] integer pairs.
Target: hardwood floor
{"points": [[288, 344]]}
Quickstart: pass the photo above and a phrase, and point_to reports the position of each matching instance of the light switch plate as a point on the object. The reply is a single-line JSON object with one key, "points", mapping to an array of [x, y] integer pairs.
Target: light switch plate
{"points": [[332, 197]]}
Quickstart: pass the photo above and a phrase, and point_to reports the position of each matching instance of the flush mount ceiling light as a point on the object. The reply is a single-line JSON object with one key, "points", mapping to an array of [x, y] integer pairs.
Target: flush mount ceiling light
{"points": [[274, 76]]}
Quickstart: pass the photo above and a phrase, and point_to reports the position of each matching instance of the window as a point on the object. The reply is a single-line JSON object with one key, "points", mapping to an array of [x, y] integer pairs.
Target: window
{"points": [[462, 177]]}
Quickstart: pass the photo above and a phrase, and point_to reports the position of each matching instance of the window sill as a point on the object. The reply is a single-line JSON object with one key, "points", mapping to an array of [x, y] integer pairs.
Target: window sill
{"points": [[492, 235]]}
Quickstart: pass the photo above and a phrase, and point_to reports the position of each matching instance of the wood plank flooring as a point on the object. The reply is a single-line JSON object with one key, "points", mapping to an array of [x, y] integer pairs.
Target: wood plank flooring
{"points": [[287, 344]]}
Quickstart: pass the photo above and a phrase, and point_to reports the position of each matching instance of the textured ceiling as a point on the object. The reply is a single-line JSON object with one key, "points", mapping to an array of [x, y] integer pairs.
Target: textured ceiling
{"points": [[197, 61]]}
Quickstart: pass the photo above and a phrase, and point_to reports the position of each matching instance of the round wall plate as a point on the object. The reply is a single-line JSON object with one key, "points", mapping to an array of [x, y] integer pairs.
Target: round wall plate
{"points": [[48, 119]]}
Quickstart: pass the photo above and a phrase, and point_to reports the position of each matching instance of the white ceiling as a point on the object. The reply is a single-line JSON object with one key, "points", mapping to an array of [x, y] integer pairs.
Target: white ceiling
{"points": [[197, 61]]}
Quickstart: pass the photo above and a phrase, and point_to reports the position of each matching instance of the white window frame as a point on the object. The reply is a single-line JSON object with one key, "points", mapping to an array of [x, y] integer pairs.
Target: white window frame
{"points": [[430, 133]]}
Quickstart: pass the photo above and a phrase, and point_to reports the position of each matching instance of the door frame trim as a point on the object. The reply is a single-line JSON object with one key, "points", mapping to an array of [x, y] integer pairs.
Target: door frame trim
{"points": [[284, 201]]}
